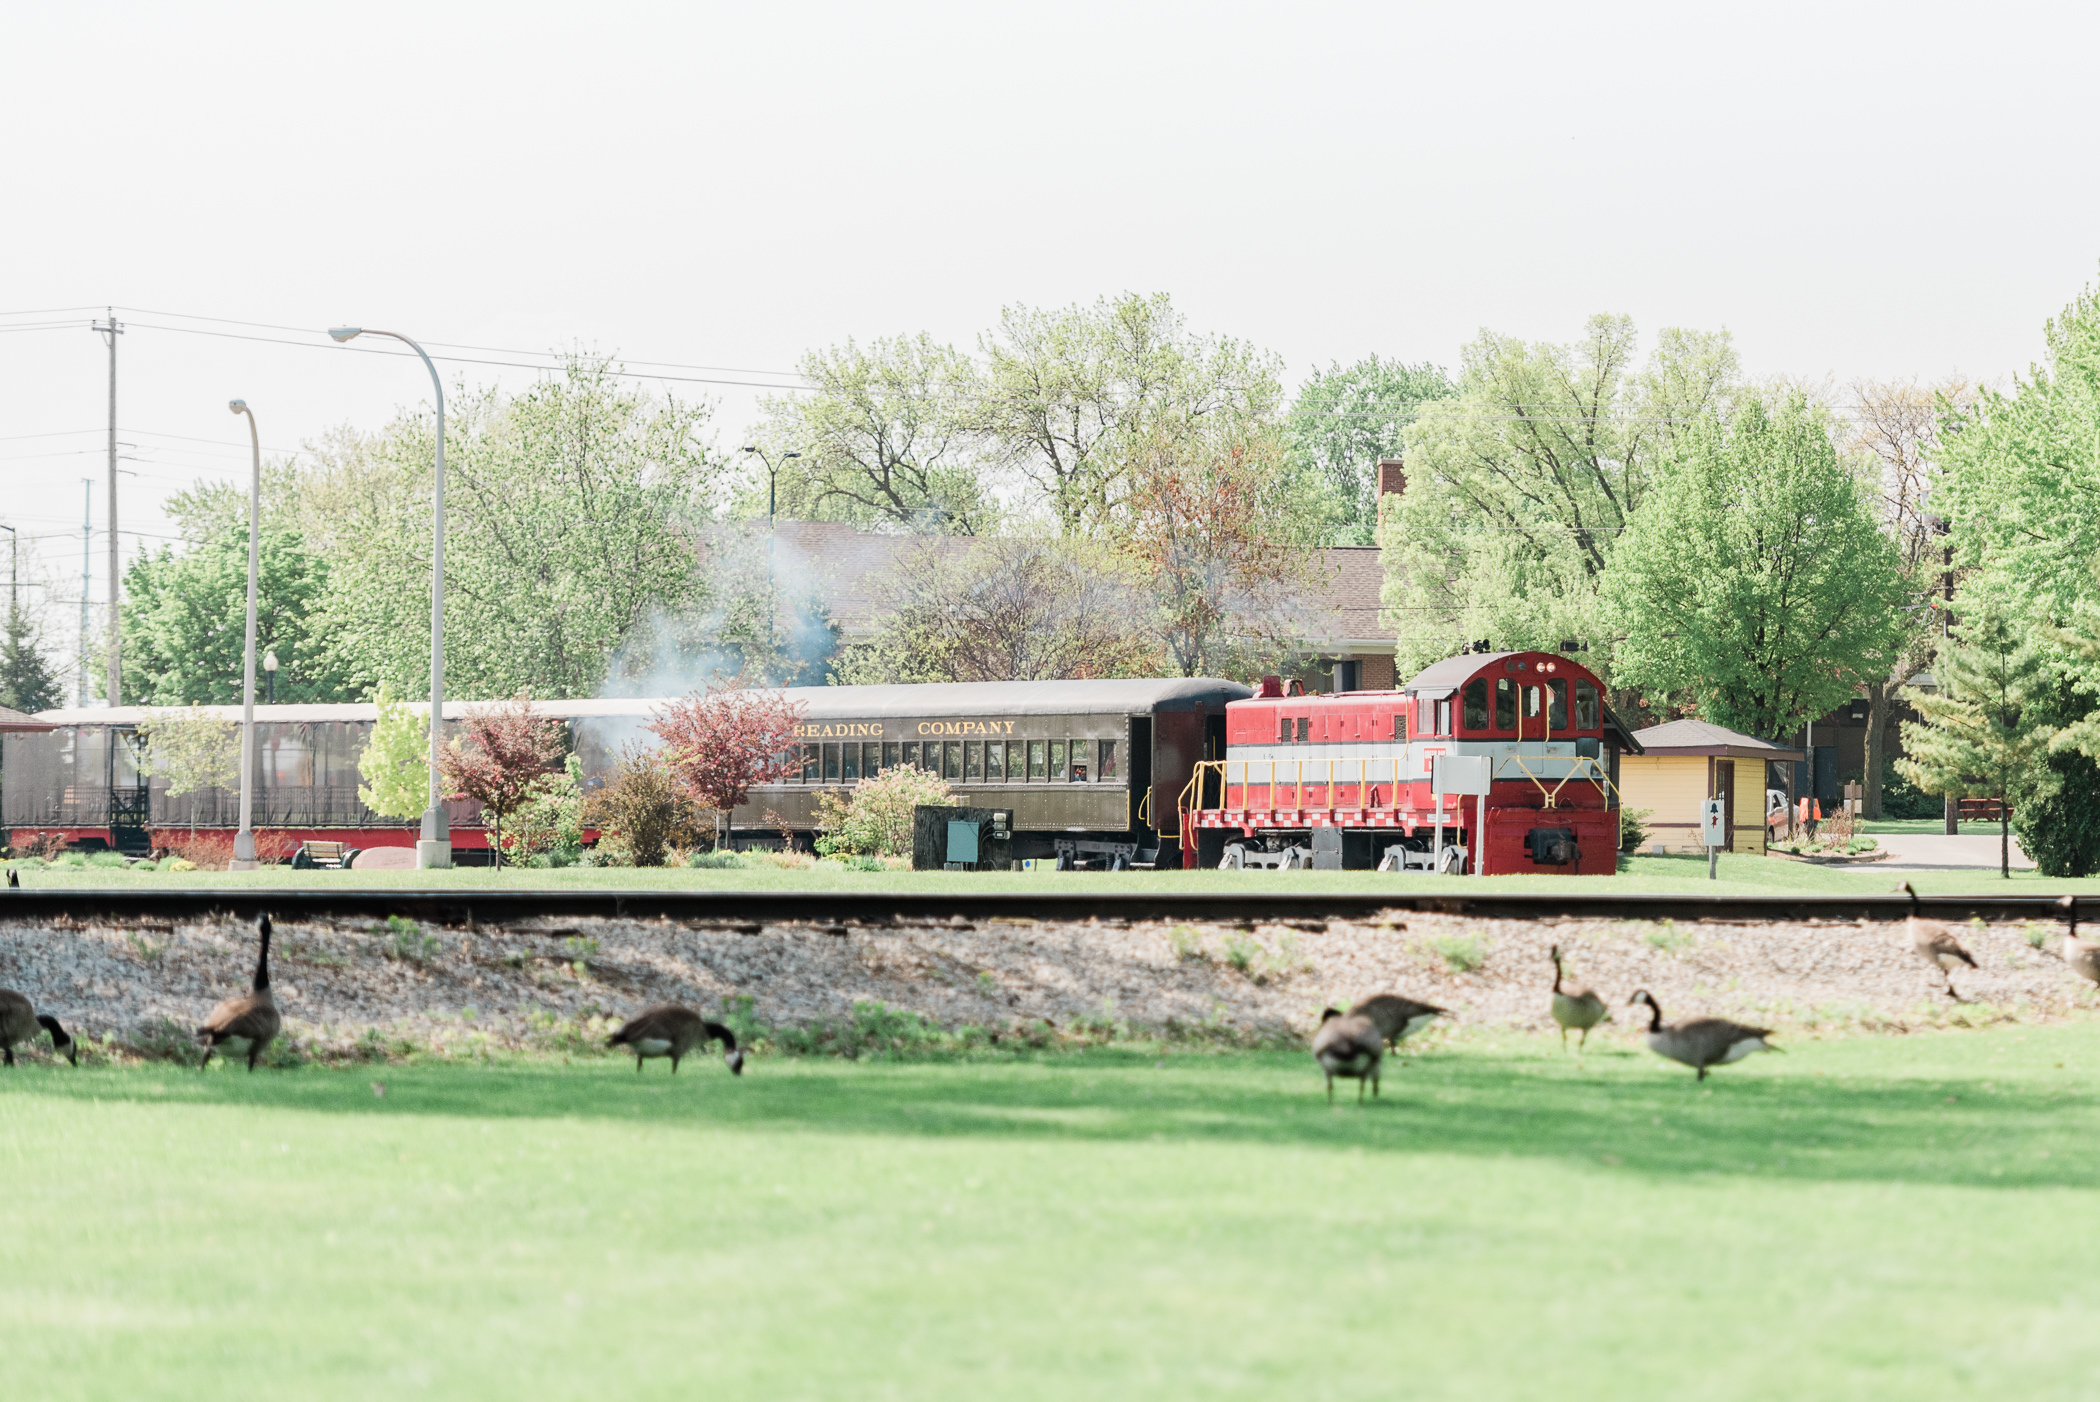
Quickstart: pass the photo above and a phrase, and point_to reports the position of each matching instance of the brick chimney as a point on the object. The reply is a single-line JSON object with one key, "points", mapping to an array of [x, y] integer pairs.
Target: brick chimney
{"points": [[1392, 477]]}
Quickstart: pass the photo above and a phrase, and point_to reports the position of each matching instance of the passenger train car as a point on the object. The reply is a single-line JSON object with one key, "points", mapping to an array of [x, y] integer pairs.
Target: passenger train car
{"points": [[1089, 769], [1345, 779]]}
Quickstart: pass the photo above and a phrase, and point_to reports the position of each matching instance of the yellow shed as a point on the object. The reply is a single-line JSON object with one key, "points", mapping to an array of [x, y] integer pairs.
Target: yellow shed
{"points": [[1686, 762]]}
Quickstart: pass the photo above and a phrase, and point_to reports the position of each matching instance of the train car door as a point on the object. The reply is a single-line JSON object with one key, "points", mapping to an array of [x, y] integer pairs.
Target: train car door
{"points": [[130, 801], [1144, 809]]}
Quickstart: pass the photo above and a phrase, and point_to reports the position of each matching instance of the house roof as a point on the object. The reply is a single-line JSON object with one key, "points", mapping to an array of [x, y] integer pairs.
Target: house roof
{"points": [[1703, 737], [17, 722], [1347, 599]]}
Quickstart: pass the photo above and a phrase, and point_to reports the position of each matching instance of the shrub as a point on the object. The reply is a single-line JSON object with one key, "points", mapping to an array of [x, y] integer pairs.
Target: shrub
{"points": [[164, 1039], [1633, 827], [874, 818], [407, 942], [721, 743], [107, 860], [549, 823], [2059, 827], [723, 859], [1461, 953], [641, 812]]}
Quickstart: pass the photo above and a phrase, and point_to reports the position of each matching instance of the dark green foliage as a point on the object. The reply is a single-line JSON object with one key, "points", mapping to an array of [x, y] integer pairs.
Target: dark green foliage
{"points": [[26, 682], [1344, 420], [2059, 827], [1900, 798]]}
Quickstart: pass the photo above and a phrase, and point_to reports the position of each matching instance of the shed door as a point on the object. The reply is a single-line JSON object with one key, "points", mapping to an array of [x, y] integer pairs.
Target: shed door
{"points": [[1724, 789]]}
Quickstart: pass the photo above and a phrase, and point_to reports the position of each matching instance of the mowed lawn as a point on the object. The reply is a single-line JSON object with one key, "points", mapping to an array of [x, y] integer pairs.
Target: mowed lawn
{"points": [[1914, 1217]]}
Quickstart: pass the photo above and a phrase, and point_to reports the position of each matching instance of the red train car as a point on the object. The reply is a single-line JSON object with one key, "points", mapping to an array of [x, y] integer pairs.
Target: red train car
{"points": [[1343, 781]]}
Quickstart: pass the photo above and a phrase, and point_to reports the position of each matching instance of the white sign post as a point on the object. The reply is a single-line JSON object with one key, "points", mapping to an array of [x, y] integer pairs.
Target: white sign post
{"points": [[1461, 774], [1713, 829]]}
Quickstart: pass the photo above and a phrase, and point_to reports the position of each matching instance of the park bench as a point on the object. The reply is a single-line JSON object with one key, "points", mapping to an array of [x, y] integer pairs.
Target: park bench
{"points": [[321, 854]]}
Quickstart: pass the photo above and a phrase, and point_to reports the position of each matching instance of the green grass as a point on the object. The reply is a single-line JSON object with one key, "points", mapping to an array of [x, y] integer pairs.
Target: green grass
{"points": [[1739, 874], [1867, 1218]]}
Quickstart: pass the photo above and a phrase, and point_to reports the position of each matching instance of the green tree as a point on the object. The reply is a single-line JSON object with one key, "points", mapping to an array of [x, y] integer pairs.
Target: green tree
{"points": [[1519, 487], [1344, 419], [875, 816], [185, 612], [1754, 577], [1985, 728], [192, 751], [884, 437], [395, 764], [573, 516], [26, 680], [1072, 395]]}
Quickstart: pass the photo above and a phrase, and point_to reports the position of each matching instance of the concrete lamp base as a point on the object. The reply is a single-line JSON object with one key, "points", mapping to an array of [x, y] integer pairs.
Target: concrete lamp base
{"points": [[249, 865], [434, 856]]}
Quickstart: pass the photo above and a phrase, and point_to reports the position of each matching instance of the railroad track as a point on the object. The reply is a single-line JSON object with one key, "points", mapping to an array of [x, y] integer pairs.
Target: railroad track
{"points": [[876, 909]]}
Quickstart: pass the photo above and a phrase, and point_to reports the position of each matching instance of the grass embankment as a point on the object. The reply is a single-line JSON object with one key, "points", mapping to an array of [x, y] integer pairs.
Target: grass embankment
{"points": [[1740, 874], [1867, 1218]]}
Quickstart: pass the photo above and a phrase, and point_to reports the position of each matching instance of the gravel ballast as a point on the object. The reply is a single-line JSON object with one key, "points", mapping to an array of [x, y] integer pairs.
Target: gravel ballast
{"points": [[492, 988]]}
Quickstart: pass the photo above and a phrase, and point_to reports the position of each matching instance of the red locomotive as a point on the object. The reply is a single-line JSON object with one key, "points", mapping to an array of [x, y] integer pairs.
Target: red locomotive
{"points": [[1343, 781]]}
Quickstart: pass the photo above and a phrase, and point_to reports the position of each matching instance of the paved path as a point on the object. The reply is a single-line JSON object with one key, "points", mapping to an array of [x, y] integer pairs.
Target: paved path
{"points": [[1921, 851]]}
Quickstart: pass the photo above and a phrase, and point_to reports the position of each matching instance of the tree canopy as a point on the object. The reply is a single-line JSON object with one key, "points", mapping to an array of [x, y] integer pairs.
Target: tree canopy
{"points": [[1343, 420]]}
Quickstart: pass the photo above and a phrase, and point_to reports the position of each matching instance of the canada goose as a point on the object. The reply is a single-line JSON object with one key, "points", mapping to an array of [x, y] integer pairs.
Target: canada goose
{"points": [[1935, 942], [19, 1021], [673, 1031], [1703, 1041], [1575, 1007], [2082, 955], [14, 879], [1396, 1018], [1349, 1045], [252, 1019]]}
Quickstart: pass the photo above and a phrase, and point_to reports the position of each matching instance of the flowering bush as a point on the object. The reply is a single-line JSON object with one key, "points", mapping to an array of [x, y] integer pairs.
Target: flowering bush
{"points": [[875, 817], [720, 744]]}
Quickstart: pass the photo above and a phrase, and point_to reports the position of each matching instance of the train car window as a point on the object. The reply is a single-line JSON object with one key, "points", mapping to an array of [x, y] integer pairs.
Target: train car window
{"points": [[954, 764], [973, 760], [1557, 707], [1443, 716], [1016, 763], [1399, 725], [810, 760], [1283, 730], [889, 754], [1304, 728], [1108, 759], [1585, 704], [1057, 761], [908, 753], [995, 760], [1476, 704], [831, 764], [1082, 760], [1038, 758], [1505, 704], [1422, 717]]}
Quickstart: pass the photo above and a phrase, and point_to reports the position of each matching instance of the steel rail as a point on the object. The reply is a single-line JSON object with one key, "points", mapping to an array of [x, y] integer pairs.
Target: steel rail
{"points": [[877, 909]]}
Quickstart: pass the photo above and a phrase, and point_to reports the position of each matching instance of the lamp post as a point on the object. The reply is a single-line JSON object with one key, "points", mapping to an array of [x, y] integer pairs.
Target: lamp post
{"points": [[270, 671], [772, 530], [434, 848], [244, 840]]}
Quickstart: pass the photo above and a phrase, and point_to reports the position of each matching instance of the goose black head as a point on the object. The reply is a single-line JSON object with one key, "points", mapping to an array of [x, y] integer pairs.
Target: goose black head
{"points": [[14, 879], [60, 1042], [1907, 889], [1643, 996], [1329, 1013], [735, 1062]]}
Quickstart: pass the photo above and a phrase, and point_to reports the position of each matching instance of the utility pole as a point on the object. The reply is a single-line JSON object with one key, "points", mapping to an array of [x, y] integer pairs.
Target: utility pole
{"points": [[14, 573], [109, 333], [87, 561]]}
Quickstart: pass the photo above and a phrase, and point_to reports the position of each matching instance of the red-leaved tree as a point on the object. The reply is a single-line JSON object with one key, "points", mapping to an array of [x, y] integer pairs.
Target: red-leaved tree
{"points": [[721, 743], [508, 750]]}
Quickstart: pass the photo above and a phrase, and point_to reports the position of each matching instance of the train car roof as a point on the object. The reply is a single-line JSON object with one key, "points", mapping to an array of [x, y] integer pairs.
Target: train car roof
{"points": [[1120, 696]]}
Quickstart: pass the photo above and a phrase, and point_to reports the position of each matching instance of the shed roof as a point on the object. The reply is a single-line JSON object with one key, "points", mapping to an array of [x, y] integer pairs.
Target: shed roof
{"points": [[13, 722], [1703, 737]]}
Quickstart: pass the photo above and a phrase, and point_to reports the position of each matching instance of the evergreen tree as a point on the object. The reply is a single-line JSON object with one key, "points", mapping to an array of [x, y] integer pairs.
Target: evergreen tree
{"points": [[1985, 731], [26, 682]]}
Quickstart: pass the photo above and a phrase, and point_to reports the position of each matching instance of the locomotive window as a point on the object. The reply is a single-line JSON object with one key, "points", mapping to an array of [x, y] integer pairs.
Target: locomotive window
{"points": [[1399, 725], [1505, 704], [1037, 757], [1476, 707], [1422, 717], [1443, 716], [1304, 726], [1557, 708], [1585, 704], [995, 760], [831, 764], [1057, 761], [1082, 760], [1108, 759], [1016, 763], [810, 760], [1283, 730], [889, 754], [1533, 704], [954, 766]]}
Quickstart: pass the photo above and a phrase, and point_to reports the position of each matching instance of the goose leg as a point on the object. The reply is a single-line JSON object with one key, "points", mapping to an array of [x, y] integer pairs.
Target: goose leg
{"points": [[674, 1063], [209, 1048], [10, 1050], [1702, 1073], [254, 1050], [637, 1063], [1330, 1089], [1581, 1045], [1360, 1088]]}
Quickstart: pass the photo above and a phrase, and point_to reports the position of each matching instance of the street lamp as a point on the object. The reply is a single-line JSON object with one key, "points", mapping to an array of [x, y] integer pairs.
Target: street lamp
{"points": [[434, 849], [244, 840], [772, 530], [270, 668]]}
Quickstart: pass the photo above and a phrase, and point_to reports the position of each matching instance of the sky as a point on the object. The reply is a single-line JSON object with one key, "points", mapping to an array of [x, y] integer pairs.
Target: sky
{"points": [[1850, 190]]}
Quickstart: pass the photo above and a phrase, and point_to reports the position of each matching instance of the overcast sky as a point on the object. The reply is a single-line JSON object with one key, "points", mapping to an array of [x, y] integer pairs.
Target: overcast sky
{"points": [[1881, 191]]}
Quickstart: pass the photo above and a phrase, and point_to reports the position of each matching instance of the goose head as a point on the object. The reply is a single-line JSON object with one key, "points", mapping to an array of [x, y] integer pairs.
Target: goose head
{"points": [[2069, 906], [735, 1062], [1329, 1013]]}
